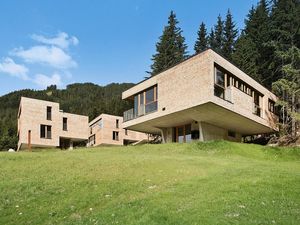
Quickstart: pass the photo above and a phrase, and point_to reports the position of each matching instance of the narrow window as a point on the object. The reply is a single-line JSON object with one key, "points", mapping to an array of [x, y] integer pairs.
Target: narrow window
{"points": [[219, 89], [117, 123], [126, 132], [49, 110], [65, 123], [48, 132], [115, 135], [42, 131], [271, 106]]}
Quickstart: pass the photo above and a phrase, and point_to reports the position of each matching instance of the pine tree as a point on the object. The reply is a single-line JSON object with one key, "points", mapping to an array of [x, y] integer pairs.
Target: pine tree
{"points": [[230, 35], [256, 35], [202, 40], [219, 35], [284, 33], [211, 39], [171, 48], [246, 55]]}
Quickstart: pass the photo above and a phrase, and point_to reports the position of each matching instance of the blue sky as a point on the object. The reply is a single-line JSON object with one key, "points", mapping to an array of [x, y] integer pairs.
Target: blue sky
{"points": [[63, 42]]}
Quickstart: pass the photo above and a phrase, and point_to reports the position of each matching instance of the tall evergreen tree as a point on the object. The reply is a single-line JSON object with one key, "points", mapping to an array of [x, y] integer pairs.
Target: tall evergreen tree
{"points": [[211, 39], [219, 35], [256, 34], [230, 35], [171, 48], [284, 33], [202, 40], [246, 55]]}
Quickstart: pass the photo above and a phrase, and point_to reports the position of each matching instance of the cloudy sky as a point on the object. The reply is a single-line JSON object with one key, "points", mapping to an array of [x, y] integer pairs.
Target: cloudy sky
{"points": [[62, 42]]}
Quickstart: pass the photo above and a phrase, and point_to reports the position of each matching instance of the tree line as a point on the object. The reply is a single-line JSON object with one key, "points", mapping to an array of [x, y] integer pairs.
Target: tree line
{"points": [[267, 49]]}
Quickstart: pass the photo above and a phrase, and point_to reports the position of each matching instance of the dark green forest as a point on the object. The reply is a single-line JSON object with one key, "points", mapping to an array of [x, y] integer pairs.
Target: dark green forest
{"points": [[86, 99]]}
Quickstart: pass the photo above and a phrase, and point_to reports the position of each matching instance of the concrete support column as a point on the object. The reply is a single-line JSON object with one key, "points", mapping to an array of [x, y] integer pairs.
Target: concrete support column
{"points": [[163, 132], [201, 137]]}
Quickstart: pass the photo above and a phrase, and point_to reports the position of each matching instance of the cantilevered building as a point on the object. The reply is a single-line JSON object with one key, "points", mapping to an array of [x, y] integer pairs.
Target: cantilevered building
{"points": [[203, 98], [43, 124]]}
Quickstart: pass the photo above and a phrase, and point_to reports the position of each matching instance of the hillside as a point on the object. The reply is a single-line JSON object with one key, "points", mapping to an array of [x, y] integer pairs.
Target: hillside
{"points": [[198, 183], [86, 99]]}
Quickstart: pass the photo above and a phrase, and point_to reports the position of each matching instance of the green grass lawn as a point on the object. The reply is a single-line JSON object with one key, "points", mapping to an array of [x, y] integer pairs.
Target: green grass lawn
{"points": [[199, 183]]}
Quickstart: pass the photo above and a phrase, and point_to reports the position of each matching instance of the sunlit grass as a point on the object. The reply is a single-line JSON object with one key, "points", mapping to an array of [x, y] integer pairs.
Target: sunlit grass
{"points": [[199, 183]]}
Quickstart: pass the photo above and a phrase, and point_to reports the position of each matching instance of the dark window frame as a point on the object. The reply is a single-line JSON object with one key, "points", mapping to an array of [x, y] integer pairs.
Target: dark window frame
{"points": [[49, 113], [115, 136], [65, 123]]}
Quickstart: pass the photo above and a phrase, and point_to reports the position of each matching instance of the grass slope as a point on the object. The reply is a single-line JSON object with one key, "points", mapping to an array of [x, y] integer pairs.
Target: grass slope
{"points": [[199, 183]]}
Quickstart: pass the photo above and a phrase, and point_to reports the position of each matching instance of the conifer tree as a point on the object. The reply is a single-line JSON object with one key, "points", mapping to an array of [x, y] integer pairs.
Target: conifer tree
{"points": [[219, 35], [230, 34], [246, 55], [171, 48], [202, 40], [211, 39]]}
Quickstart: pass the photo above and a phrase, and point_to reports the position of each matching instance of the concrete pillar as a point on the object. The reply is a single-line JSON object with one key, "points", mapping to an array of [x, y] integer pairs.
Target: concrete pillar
{"points": [[163, 132], [201, 137], [71, 145]]}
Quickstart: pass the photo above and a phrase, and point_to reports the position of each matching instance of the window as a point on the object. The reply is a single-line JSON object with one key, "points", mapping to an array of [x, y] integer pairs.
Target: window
{"points": [[126, 132], [231, 134], [65, 123], [256, 110], [91, 130], [219, 90], [182, 133], [220, 78], [45, 131], [117, 123], [142, 98], [150, 95], [49, 111], [271, 106], [115, 135]]}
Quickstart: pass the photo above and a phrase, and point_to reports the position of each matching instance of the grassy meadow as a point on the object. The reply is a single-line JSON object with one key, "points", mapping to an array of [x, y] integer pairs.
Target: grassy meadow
{"points": [[198, 183]]}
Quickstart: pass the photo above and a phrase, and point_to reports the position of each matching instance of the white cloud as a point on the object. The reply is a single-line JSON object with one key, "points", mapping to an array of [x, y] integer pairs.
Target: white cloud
{"points": [[62, 40], [48, 55], [9, 66], [45, 81]]}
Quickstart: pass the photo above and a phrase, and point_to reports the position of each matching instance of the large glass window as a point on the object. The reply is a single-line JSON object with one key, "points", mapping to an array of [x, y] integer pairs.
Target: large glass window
{"points": [[149, 95], [188, 133], [182, 133]]}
